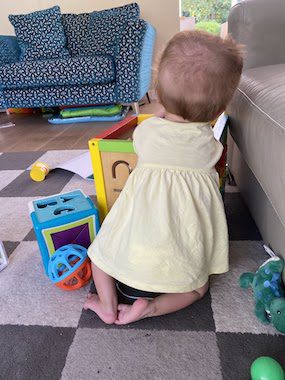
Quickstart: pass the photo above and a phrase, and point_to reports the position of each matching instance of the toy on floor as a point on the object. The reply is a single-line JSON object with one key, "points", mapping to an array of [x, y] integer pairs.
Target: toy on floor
{"points": [[113, 159], [110, 110], [67, 218], [78, 164], [266, 368], [28, 111], [88, 118], [48, 112], [69, 267], [268, 290], [39, 171], [3, 257]]}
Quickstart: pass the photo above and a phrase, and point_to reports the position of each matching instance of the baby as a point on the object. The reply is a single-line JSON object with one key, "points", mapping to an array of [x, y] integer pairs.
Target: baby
{"points": [[167, 231]]}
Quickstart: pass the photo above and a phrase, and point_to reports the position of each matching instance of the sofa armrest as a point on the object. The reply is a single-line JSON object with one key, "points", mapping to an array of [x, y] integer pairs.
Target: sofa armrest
{"points": [[260, 26], [134, 60], [146, 60], [9, 50]]}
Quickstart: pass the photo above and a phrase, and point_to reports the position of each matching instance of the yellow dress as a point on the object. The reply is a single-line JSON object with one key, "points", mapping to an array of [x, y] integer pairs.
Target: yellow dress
{"points": [[167, 231]]}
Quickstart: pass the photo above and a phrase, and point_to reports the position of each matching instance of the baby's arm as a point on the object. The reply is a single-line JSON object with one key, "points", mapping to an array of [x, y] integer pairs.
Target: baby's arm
{"points": [[135, 137], [139, 136], [142, 134]]}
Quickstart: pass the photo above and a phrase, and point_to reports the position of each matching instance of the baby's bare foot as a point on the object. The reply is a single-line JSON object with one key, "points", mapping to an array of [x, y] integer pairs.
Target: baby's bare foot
{"points": [[131, 313], [106, 314]]}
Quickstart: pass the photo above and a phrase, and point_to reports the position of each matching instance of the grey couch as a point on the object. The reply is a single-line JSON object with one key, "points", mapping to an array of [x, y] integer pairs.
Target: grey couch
{"points": [[257, 113]]}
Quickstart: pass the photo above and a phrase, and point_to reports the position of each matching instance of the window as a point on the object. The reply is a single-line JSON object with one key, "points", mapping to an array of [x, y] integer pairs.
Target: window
{"points": [[208, 15]]}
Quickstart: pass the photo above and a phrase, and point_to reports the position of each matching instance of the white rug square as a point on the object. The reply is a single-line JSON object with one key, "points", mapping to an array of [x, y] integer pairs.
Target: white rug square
{"points": [[27, 297], [7, 176], [16, 222]]}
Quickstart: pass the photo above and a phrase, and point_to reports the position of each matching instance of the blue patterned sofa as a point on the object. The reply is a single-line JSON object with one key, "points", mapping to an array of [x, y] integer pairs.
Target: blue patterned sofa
{"points": [[115, 67]]}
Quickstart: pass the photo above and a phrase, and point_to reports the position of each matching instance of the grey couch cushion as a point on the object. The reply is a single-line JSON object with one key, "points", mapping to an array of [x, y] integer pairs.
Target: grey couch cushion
{"points": [[58, 72], [258, 128], [259, 26]]}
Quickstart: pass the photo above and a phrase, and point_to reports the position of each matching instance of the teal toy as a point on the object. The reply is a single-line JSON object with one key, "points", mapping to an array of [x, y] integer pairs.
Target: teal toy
{"points": [[269, 292], [266, 368], [61, 219]]}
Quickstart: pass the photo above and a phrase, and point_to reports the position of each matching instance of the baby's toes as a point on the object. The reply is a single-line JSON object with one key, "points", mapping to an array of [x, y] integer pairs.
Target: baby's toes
{"points": [[123, 307]]}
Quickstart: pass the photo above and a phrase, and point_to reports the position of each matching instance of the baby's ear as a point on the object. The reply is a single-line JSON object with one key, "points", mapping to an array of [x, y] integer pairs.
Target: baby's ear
{"points": [[160, 113]]}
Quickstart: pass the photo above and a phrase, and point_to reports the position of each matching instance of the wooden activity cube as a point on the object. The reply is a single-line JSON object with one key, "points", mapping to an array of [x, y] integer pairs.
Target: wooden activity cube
{"points": [[113, 159]]}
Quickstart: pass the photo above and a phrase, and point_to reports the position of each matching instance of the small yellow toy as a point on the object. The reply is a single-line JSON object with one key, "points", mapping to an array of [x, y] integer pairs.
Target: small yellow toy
{"points": [[39, 171]]}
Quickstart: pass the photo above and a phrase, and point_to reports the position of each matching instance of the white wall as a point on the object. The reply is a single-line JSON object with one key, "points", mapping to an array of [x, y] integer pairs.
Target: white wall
{"points": [[162, 14]]}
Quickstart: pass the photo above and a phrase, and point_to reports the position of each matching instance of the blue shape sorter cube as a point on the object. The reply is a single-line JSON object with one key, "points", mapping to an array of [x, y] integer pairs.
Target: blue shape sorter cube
{"points": [[68, 218]]}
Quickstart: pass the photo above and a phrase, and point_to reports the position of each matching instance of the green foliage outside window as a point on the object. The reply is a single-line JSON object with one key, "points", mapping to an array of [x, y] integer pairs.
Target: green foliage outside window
{"points": [[209, 26], [207, 13]]}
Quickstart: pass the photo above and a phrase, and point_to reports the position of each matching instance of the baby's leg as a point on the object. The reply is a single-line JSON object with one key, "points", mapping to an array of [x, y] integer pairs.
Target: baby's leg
{"points": [[105, 303], [164, 304]]}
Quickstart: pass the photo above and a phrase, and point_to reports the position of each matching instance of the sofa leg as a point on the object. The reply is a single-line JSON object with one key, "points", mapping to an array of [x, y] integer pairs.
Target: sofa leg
{"points": [[136, 108]]}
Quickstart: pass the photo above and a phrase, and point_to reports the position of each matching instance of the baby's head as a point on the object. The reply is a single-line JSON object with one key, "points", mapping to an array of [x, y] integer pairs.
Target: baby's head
{"points": [[198, 74]]}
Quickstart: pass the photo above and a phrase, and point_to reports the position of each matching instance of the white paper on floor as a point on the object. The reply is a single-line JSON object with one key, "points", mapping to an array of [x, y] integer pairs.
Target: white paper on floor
{"points": [[80, 165], [75, 161], [7, 125]]}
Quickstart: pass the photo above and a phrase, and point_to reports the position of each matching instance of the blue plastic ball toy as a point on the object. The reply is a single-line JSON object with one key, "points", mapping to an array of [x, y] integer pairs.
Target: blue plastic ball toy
{"points": [[69, 267]]}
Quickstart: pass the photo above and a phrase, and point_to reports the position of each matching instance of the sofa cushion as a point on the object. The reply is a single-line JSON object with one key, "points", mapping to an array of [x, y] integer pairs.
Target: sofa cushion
{"points": [[58, 72], [60, 95], [40, 34], [9, 50], [106, 27], [76, 32], [258, 127]]}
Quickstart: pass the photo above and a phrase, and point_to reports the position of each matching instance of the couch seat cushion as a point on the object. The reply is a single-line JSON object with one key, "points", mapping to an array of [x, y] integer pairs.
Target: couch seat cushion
{"points": [[58, 72], [258, 105]]}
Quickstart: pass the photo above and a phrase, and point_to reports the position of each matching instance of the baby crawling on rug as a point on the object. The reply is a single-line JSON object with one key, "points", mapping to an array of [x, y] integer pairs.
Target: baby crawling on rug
{"points": [[167, 231]]}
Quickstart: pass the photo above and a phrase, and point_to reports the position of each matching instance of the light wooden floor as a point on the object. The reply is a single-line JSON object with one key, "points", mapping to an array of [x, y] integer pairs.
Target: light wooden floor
{"points": [[34, 133]]}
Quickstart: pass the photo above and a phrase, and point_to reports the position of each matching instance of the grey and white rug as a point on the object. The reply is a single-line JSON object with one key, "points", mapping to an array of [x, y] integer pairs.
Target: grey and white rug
{"points": [[45, 334]]}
